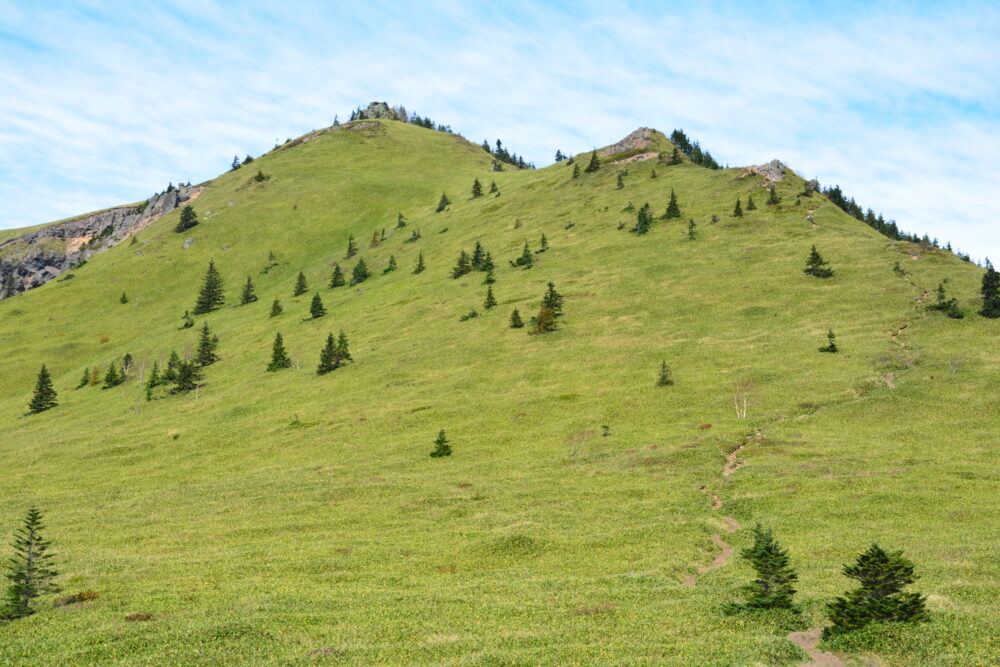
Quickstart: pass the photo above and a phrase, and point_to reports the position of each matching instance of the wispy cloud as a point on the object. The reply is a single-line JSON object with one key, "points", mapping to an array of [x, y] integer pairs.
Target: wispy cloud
{"points": [[105, 102]]}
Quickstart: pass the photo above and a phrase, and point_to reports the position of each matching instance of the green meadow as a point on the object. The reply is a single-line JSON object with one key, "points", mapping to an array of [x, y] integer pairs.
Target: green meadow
{"points": [[295, 519]]}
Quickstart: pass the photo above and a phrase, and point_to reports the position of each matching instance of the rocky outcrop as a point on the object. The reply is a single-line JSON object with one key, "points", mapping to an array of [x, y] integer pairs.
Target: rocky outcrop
{"points": [[383, 110], [38, 257], [637, 140], [772, 172]]}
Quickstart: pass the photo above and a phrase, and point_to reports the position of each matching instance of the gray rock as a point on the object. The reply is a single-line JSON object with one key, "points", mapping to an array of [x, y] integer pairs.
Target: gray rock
{"points": [[638, 139], [187, 244], [773, 171]]}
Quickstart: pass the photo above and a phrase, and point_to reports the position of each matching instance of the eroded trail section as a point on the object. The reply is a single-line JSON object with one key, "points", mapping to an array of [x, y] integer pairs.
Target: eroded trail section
{"points": [[807, 641]]}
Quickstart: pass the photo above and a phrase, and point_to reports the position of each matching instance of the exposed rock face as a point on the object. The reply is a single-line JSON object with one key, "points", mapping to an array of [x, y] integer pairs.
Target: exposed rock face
{"points": [[772, 172], [38, 257], [639, 139], [383, 110]]}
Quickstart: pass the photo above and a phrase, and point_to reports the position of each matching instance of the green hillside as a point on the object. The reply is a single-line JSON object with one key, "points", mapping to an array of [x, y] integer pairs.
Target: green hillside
{"points": [[290, 518]]}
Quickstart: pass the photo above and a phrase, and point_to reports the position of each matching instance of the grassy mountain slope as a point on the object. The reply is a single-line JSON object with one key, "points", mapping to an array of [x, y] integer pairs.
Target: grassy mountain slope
{"points": [[295, 519]]}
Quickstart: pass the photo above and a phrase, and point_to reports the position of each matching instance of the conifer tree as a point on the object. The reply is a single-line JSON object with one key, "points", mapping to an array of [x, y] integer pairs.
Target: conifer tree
{"points": [[738, 210], [327, 357], [478, 255], [544, 322], [490, 301], [401, 221], [421, 266], [316, 308], [207, 344], [643, 220], [9, 286], [543, 244], [559, 156], [692, 231], [248, 295], [675, 157], [990, 290], [515, 320], [621, 181], [947, 306], [774, 586], [882, 576], [673, 210], [494, 190], [441, 446], [360, 272], [186, 376], [187, 321], [337, 279], [477, 189], [85, 380], [462, 266], [487, 263], [526, 260], [44, 397], [376, 239], [831, 345], [553, 300], [576, 171], [817, 266], [772, 197], [343, 352], [750, 205], [188, 219], [443, 203], [276, 308], [112, 378], [279, 357], [490, 278], [173, 361], [653, 173], [301, 286], [210, 297], [665, 379], [123, 298], [30, 570], [594, 164], [153, 381], [391, 266], [352, 248]]}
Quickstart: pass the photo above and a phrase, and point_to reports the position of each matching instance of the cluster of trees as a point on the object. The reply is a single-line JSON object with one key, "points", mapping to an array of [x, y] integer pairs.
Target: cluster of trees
{"points": [[415, 119], [692, 150], [502, 155], [479, 260], [644, 218], [882, 576], [334, 354], [236, 164]]}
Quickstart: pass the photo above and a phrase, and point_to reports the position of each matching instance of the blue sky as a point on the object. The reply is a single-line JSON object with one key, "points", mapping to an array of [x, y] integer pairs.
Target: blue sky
{"points": [[106, 102]]}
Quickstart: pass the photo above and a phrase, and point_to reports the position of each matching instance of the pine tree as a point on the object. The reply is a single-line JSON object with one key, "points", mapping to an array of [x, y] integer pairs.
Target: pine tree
{"points": [[276, 308], [750, 205], [248, 295], [576, 171], [559, 156], [947, 306], [653, 173], [490, 301], [30, 570], [186, 376], [673, 210], [515, 320], [692, 231], [421, 266], [316, 308], [544, 322], [236, 163], [352, 248], [478, 255], [360, 272], [490, 278], [391, 266], [494, 190], [882, 576], [738, 210], [621, 181], [123, 298], [462, 266], [831, 345], [553, 300], [327, 357], [594, 164], [186, 320], [477, 189], [112, 378], [675, 157], [301, 286], [543, 244], [9, 286], [188, 219], [85, 380], [991, 292], [45, 395], [343, 352], [153, 381], [527, 259], [173, 361], [443, 203], [643, 220], [401, 221], [665, 379], [337, 279], [817, 266], [207, 344], [279, 357], [376, 239], [773, 198], [441, 446], [774, 586], [210, 297]]}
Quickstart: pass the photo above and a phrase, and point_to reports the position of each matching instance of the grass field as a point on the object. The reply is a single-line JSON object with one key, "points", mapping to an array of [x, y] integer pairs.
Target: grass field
{"points": [[286, 518]]}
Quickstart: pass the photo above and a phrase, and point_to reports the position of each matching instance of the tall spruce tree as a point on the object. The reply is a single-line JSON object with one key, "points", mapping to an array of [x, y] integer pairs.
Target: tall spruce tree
{"points": [[113, 378], [478, 255], [421, 266], [186, 376], [248, 295], [391, 266], [816, 265], [990, 290], [188, 219], [494, 190], [576, 171], [643, 220], [153, 381], [44, 397], [301, 286], [276, 308], [774, 586], [491, 300], [279, 356], [675, 157], [343, 352], [173, 361], [673, 210], [595, 162], [462, 266], [750, 205], [490, 277], [527, 259], [477, 189], [352, 248], [327, 356], [360, 272], [30, 571], [441, 446], [737, 210], [552, 300], [337, 279], [772, 197], [210, 297], [443, 203], [85, 380], [316, 308], [207, 345], [882, 576]]}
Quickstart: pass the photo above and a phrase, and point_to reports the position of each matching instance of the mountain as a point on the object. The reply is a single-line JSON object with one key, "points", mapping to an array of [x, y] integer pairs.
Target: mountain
{"points": [[586, 515]]}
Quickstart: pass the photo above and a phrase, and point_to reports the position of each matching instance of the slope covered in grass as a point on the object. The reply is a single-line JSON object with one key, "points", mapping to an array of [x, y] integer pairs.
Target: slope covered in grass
{"points": [[295, 519]]}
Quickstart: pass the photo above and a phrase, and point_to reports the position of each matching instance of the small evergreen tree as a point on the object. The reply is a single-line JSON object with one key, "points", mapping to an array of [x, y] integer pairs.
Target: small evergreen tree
{"points": [[352, 248], [236, 163], [462, 266], [816, 265], [207, 344], [621, 181], [494, 190], [477, 189], [173, 361], [187, 321], [210, 297], [774, 586], [490, 278], [401, 221], [515, 320], [327, 356], [188, 219], [153, 381], [376, 239], [301, 286], [553, 300], [279, 357], [443, 203], [990, 290], [186, 376], [576, 171], [85, 380], [112, 378], [441, 446], [490, 301], [947, 306], [421, 266], [543, 244], [882, 576], [673, 210], [831, 345], [772, 198], [544, 322], [343, 352], [316, 308], [248, 295], [665, 379], [594, 164], [738, 210], [44, 397], [30, 570], [391, 266], [123, 298], [643, 220], [692, 231], [276, 308], [526, 260], [478, 256], [653, 173], [750, 205], [559, 156], [360, 272], [337, 279], [675, 157]]}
